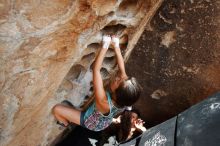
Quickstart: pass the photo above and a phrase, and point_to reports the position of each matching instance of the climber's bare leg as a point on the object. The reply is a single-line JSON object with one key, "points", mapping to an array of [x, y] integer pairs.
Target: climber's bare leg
{"points": [[66, 114]]}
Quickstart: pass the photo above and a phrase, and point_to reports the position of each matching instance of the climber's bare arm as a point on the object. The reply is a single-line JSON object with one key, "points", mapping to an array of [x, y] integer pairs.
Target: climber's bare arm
{"points": [[99, 90], [120, 60], [97, 78]]}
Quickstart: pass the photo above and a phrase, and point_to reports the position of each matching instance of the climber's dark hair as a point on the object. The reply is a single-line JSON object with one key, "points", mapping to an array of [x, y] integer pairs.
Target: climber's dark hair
{"points": [[134, 110], [125, 126], [128, 92]]}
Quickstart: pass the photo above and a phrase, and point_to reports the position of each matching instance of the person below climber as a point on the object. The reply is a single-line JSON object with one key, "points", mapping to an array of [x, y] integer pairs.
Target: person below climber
{"points": [[126, 127], [124, 91]]}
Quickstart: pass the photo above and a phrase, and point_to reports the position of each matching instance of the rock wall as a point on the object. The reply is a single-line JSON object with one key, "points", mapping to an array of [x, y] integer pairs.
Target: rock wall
{"points": [[177, 58], [47, 50]]}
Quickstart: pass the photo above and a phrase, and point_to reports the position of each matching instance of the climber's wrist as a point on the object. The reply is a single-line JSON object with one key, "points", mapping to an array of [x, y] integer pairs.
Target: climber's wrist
{"points": [[117, 50], [105, 46]]}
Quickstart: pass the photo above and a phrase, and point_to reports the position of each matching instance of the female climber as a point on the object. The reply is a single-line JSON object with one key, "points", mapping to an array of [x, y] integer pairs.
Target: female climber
{"points": [[123, 92]]}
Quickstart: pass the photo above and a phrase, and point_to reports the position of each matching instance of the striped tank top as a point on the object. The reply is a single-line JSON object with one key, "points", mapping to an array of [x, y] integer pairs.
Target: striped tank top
{"points": [[95, 120]]}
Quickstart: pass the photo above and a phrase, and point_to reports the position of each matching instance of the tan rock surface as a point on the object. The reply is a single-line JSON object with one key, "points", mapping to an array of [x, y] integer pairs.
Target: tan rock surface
{"points": [[47, 49]]}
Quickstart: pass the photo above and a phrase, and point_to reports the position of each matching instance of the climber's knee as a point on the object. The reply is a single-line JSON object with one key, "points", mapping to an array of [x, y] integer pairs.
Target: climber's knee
{"points": [[56, 109]]}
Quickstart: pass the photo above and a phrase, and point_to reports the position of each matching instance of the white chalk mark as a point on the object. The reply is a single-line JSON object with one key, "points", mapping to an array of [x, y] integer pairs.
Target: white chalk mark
{"points": [[215, 106], [111, 141], [157, 140], [93, 141]]}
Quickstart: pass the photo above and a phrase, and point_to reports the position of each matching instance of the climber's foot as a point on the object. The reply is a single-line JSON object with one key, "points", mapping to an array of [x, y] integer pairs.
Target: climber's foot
{"points": [[70, 125], [61, 124], [67, 103]]}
